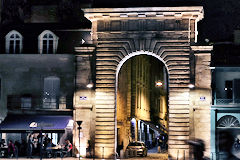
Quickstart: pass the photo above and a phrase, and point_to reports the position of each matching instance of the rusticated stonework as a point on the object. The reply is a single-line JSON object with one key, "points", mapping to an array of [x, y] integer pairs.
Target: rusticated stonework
{"points": [[165, 33]]}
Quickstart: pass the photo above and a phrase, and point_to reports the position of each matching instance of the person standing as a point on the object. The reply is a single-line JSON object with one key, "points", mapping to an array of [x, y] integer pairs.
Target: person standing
{"points": [[17, 148], [11, 149], [29, 146], [68, 148]]}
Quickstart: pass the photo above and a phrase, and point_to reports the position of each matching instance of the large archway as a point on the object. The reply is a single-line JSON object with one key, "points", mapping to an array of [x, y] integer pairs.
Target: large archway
{"points": [[164, 33], [141, 102]]}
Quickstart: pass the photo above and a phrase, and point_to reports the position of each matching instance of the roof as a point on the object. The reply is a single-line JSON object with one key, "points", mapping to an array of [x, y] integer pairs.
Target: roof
{"points": [[144, 3]]}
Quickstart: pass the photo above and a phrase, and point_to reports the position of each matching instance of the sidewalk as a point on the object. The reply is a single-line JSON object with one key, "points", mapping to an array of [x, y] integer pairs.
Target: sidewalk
{"points": [[151, 156]]}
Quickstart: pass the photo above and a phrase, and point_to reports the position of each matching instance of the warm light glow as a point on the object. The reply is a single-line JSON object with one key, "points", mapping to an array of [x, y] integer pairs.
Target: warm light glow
{"points": [[90, 85], [158, 84], [70, 123], [191, 86], [133, 120]]}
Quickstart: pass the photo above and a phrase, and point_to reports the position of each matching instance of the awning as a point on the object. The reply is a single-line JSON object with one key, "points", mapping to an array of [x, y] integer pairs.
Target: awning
{"points": [[161, 129], [23, 123]]}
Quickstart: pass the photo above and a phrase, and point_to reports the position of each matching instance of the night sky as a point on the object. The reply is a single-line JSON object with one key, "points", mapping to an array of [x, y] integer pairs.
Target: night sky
{"points": [[221, 17]]}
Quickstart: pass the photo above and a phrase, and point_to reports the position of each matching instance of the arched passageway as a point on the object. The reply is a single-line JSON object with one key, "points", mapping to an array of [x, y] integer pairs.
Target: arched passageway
{"points": [[142, 111]]}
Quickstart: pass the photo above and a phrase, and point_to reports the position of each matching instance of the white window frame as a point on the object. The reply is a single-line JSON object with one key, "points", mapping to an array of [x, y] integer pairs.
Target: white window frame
{"points": [[51, 93], [14, 39], [41, 39]]}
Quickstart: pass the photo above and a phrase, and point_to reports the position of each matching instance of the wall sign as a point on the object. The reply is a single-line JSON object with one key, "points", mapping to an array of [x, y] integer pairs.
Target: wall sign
{"points": [[83, 98], [202, 98]]}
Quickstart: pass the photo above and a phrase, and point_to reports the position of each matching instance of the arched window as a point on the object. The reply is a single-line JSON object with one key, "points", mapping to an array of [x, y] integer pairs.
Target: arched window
{"points": [[47, 42], [51, 92], [228, 121], [13, 42]]}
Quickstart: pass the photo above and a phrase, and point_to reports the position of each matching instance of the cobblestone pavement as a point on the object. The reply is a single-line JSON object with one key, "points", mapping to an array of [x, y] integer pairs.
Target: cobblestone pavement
{"points": [[150, 156]]}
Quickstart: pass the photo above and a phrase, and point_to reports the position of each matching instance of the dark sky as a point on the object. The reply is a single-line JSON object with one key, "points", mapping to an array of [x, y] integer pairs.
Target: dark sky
{"points": [[221, 17]]}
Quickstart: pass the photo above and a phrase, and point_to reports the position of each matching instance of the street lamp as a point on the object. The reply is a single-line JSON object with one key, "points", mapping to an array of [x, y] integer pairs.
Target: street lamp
{"points": [[79, 127]]}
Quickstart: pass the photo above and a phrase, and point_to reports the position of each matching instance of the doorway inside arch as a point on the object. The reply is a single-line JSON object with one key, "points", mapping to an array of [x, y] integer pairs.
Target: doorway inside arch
{"points": [[142, 104]]}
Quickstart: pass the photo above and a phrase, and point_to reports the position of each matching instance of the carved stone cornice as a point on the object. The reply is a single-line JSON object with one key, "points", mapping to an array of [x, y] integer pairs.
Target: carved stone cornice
{"points": [[194, 12]]}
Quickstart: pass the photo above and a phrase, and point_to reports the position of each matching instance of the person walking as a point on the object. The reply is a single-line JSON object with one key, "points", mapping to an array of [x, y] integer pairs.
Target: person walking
{"points": [[198, 148]]}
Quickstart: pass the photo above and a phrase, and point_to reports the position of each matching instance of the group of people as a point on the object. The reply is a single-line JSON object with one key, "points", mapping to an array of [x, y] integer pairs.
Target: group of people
{"points": [[45, 147], [33, 146], [11, 149]]}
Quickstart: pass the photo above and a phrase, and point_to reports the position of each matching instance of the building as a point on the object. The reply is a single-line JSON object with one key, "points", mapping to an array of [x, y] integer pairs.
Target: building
{"points": [[225, 107], [140, 61], [38, 69]]}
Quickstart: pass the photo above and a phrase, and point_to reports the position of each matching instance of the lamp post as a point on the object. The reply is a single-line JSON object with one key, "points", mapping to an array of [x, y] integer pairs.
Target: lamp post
{"points": [[79, 127]]}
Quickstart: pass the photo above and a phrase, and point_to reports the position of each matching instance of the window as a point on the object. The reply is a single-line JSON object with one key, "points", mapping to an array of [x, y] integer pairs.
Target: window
{"points": [[26, 102], [0, 88], [51, 92], [13, 42], [47, 42], [228, 89]]}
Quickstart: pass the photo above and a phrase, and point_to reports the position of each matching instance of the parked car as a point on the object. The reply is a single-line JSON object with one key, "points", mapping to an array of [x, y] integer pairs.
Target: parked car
{"points": [[140, 147]]}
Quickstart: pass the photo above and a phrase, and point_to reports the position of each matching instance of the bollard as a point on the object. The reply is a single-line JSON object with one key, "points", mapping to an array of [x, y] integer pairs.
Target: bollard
{"points": [[126, 153], [121, 154]]}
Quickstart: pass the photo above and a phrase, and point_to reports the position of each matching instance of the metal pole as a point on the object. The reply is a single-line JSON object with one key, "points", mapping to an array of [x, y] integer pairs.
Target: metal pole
{"points": [[103, 153], [41, 144], [79, 143]]}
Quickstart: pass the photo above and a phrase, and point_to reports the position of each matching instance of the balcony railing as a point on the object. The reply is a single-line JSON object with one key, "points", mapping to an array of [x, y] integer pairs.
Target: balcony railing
{"points": [[23, 102], [220, 101]]}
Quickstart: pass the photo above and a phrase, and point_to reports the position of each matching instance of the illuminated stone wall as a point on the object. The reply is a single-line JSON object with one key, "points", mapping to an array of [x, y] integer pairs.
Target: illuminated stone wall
{"points": [[165, 33], [84, 101], [200, 97]]}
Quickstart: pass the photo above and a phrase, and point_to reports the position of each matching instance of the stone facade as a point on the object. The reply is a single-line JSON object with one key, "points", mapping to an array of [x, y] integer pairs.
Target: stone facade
{"points": [[167, 34]]}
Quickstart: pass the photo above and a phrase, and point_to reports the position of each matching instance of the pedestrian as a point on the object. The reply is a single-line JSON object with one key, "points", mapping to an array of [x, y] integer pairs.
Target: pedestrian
{"points": [[29, 146], [89, 148], [198, 148], [23, 146], [17, 148], [68, 148], [11, 149], [46, 141]]}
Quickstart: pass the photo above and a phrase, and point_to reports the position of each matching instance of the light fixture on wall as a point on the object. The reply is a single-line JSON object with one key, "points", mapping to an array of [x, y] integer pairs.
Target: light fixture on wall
{"points": [[158, 84], [191, 86], [90, 84]]}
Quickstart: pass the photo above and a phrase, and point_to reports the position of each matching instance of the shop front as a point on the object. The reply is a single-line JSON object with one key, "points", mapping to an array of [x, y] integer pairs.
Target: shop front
{"points": [[42, 129]]}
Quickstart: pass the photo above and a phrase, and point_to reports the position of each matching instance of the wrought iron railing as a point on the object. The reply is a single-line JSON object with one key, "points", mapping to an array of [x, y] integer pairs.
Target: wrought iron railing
{"points": [[28, 102], [220, 101]]}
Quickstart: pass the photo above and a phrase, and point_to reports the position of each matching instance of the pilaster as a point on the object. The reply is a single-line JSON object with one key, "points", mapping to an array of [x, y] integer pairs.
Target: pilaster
{"points": [[84, 99]]}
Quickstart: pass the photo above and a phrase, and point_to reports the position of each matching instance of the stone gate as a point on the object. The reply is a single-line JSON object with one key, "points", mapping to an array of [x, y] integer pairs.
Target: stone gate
{"points": [[169, 34]]}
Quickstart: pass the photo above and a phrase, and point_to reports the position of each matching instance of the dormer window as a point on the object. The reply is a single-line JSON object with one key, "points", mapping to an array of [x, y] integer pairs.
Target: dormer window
{"points": [[14, 42], [47, 42]]}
